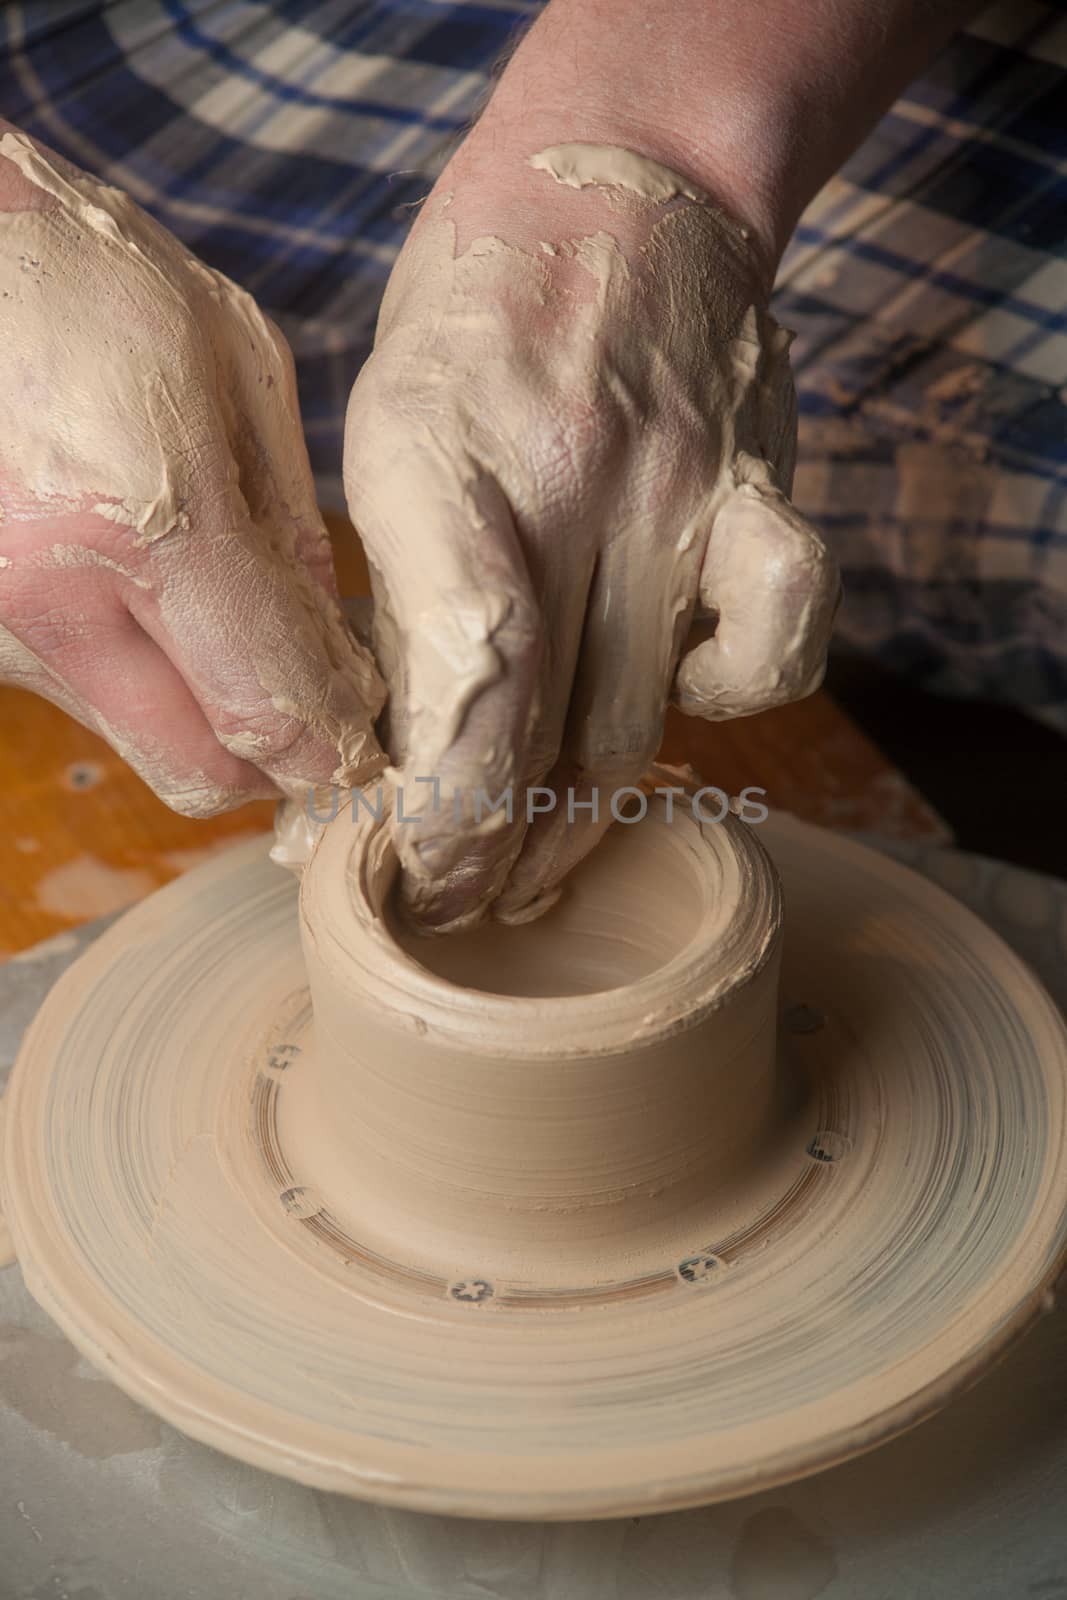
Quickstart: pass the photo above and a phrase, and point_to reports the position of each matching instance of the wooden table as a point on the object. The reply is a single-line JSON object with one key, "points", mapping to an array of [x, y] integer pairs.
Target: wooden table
{"points": [[81, 835]]}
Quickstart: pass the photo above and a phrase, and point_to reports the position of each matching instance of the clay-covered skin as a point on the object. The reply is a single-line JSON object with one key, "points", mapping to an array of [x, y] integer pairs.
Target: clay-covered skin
{"points": [[164, 571], [573, 440], [572, 444]]}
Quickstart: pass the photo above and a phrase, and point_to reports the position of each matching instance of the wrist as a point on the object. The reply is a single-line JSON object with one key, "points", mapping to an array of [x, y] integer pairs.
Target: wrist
{"points": [[757, 102], [579, 78], [508, 180]]}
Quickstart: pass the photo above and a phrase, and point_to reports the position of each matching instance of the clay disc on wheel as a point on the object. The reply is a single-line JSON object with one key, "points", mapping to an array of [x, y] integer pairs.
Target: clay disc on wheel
{"points": [[913, 1225]]}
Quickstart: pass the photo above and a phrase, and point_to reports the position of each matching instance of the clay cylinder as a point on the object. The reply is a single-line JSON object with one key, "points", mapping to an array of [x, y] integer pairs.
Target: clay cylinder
{"points": [[542, 1088]]}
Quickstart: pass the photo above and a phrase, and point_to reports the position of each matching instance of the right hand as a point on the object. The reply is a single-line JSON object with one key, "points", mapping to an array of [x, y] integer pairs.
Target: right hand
{"points": [[165, 575], [573, 441]]}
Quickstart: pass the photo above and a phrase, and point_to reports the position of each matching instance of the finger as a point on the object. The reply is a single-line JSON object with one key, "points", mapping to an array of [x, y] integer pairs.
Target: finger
{"points": [[769, 588], [561, 595], [19, 191], [262, 419], [561, 833], [457, 607], [262, 415], [101, 668], [148, 714], [551, 843], [264, 651], [637, 615]]}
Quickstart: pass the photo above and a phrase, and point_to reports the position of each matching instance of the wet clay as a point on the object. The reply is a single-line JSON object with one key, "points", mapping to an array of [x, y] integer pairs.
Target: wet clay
{"points": [[560, 1092], [7, 1243], [615, 1296], [609, 167]]}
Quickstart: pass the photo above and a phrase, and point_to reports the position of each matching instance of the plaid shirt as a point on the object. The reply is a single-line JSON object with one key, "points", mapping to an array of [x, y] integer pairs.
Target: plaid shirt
{"points": [[288, 142]]}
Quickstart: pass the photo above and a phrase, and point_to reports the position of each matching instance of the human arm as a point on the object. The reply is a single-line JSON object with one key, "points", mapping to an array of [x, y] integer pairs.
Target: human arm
{"points": [[574, 441]]}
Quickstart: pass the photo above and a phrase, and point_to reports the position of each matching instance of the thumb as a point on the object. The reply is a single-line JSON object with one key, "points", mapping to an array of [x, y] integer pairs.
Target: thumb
{"points": [[768, 592]]}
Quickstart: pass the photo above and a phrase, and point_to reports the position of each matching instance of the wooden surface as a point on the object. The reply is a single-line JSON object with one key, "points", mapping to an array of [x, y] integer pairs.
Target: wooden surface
{"points": [[80, 835]]}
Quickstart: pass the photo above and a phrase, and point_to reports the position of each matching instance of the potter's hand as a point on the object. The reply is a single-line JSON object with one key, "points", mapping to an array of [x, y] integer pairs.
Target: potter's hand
{"points": [[164, 573], [572, 445]]}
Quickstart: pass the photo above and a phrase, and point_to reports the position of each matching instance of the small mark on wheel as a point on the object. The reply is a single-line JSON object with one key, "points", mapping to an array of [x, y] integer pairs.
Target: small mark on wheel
{"points": [[471, 1291], [301, 1202], [701, 1267], [282, 1056]]}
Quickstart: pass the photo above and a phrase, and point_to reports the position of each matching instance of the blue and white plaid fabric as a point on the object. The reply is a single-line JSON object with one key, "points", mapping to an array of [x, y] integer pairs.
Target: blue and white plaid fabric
{"points": [[288, 141]]}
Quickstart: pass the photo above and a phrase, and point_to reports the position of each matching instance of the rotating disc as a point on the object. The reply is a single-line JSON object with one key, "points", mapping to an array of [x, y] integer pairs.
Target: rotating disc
{"points": [[912, 1224]]}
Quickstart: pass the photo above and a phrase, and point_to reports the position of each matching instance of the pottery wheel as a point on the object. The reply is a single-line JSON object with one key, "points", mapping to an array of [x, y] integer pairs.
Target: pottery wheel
{"points": [[913, 1226]]}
